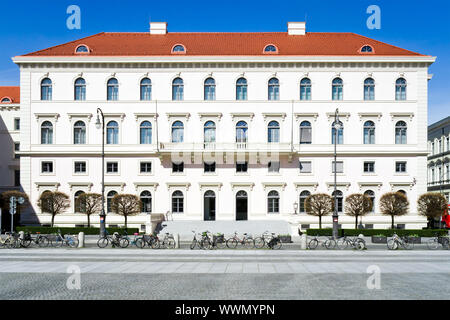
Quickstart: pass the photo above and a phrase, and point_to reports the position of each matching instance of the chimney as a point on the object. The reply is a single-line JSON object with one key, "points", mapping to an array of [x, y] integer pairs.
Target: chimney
{"points": [[158, 27], [297, 28]]}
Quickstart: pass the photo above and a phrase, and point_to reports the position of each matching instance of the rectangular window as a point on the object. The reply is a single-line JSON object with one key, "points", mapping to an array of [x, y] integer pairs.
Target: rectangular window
{"points": [[400, 166], [210, 167], [305, 166], [47, 167], [339, 167], [177, 167], [80, 167], [241, 166], [17, 124], [16, 148], [369, 167], [112, 167], [146, 167], [274, 166], [17, 178]]}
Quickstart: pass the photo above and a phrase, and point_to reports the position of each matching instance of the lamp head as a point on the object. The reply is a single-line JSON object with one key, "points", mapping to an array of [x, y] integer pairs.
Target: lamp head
{"points": [[98, 123]]}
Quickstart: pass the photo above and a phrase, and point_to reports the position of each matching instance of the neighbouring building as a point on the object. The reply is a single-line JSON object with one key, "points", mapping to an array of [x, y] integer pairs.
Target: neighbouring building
{"points": [[439, 157], [224, 126]]}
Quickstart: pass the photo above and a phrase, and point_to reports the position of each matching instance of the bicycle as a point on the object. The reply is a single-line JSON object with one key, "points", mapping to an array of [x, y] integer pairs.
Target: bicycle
{"points": [[433, 243], [329, 243], [59, 240], [246, 241], [396, 242], [261, 242], [148, 240], [275, 242], [134, 241], [219, 241], [8, 242], [355, 242], [116, 240], [39, 240]]}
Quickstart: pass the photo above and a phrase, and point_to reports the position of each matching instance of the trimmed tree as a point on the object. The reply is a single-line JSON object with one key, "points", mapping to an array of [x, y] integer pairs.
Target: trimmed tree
{"points": [[394, 204], [319, 205], [90, 203], [432, 205], [126, 205], [53, 203], [357, 205]]}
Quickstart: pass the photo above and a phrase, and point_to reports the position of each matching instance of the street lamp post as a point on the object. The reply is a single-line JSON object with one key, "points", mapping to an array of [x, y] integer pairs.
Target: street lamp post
{"points": [[295, 207], [337, 127], [100, 124]]}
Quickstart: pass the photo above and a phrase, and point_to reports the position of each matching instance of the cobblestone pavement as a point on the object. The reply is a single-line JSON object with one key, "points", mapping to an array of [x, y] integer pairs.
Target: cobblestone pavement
{"points": [[254, 274]]}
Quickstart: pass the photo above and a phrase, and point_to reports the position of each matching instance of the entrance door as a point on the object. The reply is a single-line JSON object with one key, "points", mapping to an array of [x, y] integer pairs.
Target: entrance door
{"points": [[241, 205], [209, 206]]}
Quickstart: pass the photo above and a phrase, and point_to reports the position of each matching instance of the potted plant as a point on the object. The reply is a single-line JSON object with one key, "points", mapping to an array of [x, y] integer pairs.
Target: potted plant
{"points": [[285, 238], [414, 238], [379, 238]]}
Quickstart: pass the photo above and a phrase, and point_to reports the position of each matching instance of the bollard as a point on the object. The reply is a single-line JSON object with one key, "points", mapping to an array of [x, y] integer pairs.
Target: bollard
{"points": [[303, 241], [81, 240], [177, 240]]}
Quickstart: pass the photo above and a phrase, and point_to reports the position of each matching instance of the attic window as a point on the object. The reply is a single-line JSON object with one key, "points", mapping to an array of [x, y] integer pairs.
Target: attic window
{"points": [[6, 100], [178, 48], [82, 49], [366, 49], [270, 48]]}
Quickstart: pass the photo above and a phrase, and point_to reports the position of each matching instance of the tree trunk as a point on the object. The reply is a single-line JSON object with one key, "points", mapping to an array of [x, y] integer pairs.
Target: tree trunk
{"points": [[392, 216], [125, 221], [356, 222], [89, 220], [320, 222], [53, 219]]}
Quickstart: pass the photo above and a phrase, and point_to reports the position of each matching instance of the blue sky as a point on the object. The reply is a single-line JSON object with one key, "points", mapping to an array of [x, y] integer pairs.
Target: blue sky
{"points": [[420, 26]]}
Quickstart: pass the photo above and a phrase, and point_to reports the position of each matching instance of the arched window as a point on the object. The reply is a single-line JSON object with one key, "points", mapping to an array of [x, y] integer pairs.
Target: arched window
{"points": [[109, 197], [273, 202], [80, 206], [209, 133], [340, 133], [82, 49], [241, 134], [113, 89], [177, 132], [146, 199], [46, 132], [371, 195], [177, 89], [45, 203], [273, 132], [305, 89], [178, 49], [400, 89], [305, 132], [274, 89], [6, 100], [369, 132], [337, 88], [366, 49], [146, 89], [80, 89], [340, 199], [241, 89], [177, 202], [46, 89], [270, 49], [146, 132], [401, 132], [210, 89], [369, 89], [112, 132], [303, 195], [79, 133]]}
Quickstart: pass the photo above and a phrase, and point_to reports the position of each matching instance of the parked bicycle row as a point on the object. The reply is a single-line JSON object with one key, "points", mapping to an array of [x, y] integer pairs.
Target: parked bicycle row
{"points": [[27, 240], [153, 241], [208, 241]]}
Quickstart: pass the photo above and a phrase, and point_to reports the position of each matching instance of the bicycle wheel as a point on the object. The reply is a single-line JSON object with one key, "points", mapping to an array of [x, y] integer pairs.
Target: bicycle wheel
{"points": [[330, 244], [445, 243], [408, 245], [25, 243], [72, 242], [205, 244], [392, 244], [276, 244], [43, 242], [432, 244], [170, 244], [57, 242], [155, 244], [259, 243], [220, 243], [360, 244], [232, 243], [249, 243], [140, 243], [102, 242], [342, 244], [312, 244], [124, 242]]}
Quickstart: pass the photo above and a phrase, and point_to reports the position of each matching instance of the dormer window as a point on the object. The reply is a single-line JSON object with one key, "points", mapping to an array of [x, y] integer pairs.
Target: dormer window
{"points": [[270, 48], [82, 49], [179, 48], [6, 100], [366, 49]]}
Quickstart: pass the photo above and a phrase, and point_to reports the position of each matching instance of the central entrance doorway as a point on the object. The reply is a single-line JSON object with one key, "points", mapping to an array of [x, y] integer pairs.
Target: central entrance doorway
{"points": [[209, 206], [241, 205]]}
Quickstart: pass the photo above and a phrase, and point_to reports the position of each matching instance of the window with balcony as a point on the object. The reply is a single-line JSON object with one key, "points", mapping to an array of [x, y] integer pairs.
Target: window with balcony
{"points": [[177, 132], [241, 134], [273, 132], [209, 135], [305, 132]]}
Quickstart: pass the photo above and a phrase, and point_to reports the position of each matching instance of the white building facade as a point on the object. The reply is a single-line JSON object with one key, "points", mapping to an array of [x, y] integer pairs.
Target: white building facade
{"points": [[224, 126]]}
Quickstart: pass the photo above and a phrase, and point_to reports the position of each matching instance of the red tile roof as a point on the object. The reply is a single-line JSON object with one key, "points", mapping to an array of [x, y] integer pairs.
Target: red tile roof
{"points": [[13, 93], [225, 44]]}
